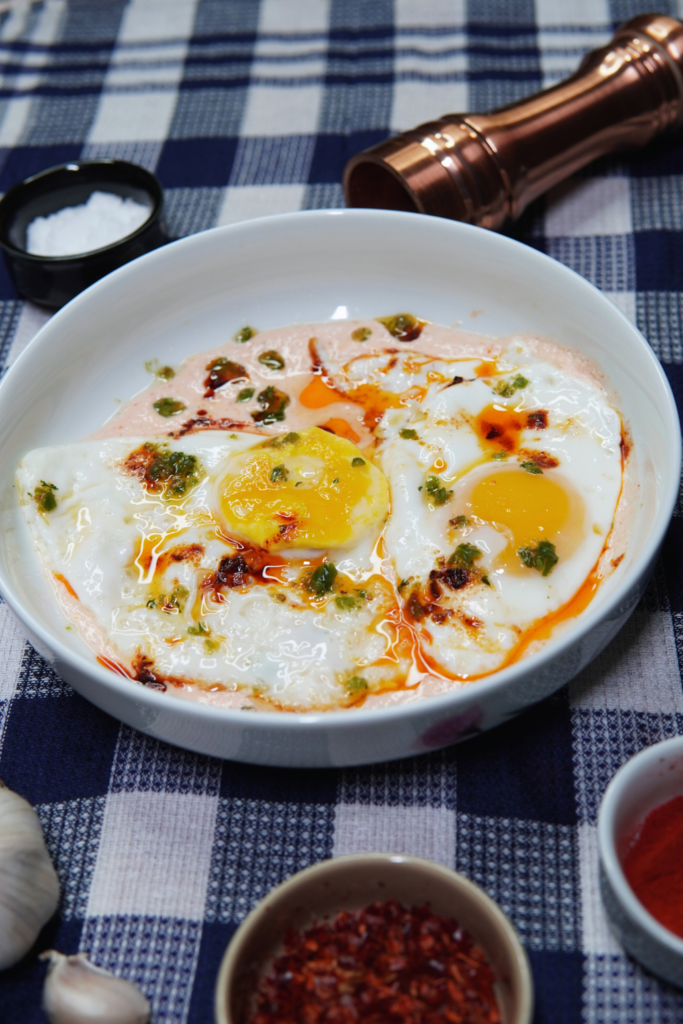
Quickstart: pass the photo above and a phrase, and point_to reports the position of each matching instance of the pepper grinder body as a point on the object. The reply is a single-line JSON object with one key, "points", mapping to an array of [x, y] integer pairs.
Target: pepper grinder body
{"points": [[485, 169]]}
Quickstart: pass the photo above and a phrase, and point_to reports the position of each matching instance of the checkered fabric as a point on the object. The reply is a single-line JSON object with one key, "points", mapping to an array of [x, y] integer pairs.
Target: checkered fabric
{"points": [[245, 108]]}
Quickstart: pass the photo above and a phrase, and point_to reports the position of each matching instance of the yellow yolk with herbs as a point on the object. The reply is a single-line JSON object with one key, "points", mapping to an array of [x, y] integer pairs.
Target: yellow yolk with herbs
{"points": [[310, 490], [531, 506]]}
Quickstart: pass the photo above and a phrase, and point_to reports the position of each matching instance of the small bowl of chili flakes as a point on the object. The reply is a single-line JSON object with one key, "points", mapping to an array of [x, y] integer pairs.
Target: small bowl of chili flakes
{"points": [[375, 937], [640, 842]]}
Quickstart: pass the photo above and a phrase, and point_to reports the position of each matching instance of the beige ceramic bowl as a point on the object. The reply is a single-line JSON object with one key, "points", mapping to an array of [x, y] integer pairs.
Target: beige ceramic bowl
{"points": [[348, 883]]}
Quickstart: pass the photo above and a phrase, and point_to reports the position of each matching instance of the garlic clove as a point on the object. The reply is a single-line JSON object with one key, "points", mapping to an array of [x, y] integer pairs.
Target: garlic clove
{"points": [[29, 887], [78, 992]]}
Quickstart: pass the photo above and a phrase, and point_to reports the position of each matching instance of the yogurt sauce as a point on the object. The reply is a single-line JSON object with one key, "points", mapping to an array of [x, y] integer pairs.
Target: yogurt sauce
{"points": [[223, 389]]}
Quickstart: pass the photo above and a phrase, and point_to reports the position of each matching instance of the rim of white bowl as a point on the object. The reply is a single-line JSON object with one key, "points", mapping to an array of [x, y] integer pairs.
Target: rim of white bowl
{"points": [[607, 841], [345, 719], [308, 875]]}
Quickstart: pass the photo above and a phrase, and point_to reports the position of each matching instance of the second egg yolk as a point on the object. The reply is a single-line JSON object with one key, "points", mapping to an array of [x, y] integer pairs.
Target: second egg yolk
{"points": [[531, 506]]}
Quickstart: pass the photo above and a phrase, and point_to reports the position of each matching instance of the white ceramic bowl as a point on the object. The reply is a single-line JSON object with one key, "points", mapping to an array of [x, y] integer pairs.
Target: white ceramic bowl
{"points": [[307, 267], [349, 883], [648, 780]]}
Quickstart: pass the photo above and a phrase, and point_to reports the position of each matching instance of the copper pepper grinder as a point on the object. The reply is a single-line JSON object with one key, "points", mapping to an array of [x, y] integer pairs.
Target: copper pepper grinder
{"points": [[486, 168]]}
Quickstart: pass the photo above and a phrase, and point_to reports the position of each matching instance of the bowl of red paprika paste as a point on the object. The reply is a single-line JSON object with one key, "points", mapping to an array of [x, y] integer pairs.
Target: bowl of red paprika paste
{"points": [[375, 936], [640, 839]]}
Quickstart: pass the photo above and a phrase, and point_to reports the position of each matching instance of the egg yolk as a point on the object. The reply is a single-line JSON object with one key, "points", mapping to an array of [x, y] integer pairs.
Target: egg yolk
{"points": [[310, 490], [531, 506]]}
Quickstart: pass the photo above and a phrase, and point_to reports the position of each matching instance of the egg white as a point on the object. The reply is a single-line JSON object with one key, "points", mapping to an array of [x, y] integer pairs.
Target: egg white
{"points": [[262, 640], [583, 433]]}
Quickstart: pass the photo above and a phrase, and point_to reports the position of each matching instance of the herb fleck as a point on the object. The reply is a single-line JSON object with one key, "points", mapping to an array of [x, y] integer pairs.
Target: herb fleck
{"points": [[278, 473], [175, 469], [361, 334], [222, 371], [465, 555], [507, 388], [273, 404], [436, 491], [281, 440], [542, 558], [272, 359], [44, 496], [459, 522], [245, 394], [179, 597], [345, 601], [322, 579], [174, 603], [499, 456], [163, 372], [358, 461], [403, 326], [356, 684], [161, 470], [409, 435], [199, 630], [244, 334], [530, 467], [169, 406]]}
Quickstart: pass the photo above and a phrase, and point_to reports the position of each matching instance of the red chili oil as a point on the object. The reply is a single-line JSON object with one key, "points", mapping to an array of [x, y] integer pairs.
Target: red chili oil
{"points": [[654, 865], [380, 965]]}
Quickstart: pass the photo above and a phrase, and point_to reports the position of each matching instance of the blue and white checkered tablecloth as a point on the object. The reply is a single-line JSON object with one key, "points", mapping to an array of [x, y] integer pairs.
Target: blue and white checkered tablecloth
{"points": [[245, 108]]}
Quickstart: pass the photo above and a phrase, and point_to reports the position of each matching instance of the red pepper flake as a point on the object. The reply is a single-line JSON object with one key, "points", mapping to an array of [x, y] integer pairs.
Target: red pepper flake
{"points": [[540, 459], [537, 420], [625, 445], [246, 567], [204, 422], [455, 578], [418, 608], [142, 671], [380, 965]]}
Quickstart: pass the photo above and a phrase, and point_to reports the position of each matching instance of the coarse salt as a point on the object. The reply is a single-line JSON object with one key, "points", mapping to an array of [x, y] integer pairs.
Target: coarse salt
{"points": [[103, 220]]}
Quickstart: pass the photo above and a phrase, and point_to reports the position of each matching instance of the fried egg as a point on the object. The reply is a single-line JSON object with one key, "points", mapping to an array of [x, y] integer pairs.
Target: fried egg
{"points": [[163, 554], [457, 508], [507, 485]]}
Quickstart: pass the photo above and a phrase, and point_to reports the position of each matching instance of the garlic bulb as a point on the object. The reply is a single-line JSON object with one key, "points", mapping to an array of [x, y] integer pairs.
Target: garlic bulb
{"points": [[29, 887], [78, 992]]}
